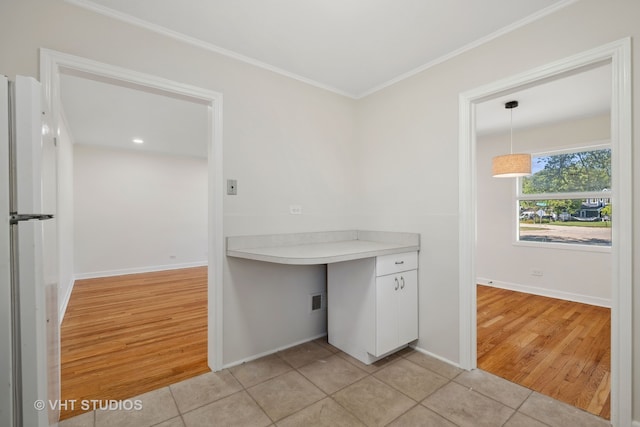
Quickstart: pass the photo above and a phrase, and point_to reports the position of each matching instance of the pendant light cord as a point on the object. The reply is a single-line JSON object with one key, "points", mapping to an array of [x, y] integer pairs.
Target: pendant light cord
{"points": [[511, 125], [510, 106]]}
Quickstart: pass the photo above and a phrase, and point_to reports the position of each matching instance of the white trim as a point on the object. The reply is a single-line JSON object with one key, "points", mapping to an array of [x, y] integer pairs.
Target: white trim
{"points": [[65, 302], [269, 352], [467, 205], [545, 292], [7, 416], [435, 356], [112, 13], [562, 246], [137, 270], [562, 196], [622, 236], [635, 424], [574, 148], [51, 63], [619, 54]]}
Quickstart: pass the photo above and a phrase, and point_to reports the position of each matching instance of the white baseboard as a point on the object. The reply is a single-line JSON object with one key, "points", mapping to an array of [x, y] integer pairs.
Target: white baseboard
{"points": [[65, 301], [435, 356], [135, 270], [635, 423], [584, 299], [267, 353]]}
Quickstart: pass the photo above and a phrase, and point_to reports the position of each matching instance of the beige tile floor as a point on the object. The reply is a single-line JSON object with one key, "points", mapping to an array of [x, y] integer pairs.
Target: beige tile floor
{"points": [[315, 384]]}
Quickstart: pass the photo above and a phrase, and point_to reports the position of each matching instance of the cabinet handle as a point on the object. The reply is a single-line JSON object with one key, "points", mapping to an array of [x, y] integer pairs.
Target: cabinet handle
{"points": [[402, 286], [397, 283], [399, 262]]}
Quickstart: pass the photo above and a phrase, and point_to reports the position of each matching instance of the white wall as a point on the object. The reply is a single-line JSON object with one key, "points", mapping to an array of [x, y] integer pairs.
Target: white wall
{"points": [[285, 145], [573, 274], [137, 211], [65, 218], [272, 306], [392, 157]]}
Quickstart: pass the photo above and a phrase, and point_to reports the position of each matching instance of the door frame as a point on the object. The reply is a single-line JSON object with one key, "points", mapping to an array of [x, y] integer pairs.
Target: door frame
{"points": [[6, 327], [51, 65], [618, 53]]}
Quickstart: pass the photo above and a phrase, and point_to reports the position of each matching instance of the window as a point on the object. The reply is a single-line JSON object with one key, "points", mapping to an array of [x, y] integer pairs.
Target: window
{"points": [[567, 199]]}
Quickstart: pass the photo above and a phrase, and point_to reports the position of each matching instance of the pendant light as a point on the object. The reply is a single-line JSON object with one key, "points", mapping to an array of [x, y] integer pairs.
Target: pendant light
{"points": [[511, 165]]}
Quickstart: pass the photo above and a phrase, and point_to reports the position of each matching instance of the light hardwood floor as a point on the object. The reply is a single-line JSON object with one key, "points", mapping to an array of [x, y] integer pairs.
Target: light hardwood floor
{"points": [[559, 348], [126, 335]]}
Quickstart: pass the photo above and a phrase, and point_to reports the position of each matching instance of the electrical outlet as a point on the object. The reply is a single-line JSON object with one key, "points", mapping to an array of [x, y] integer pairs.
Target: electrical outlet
{"points": [[232, 187], [535, 272], [295, 209]]}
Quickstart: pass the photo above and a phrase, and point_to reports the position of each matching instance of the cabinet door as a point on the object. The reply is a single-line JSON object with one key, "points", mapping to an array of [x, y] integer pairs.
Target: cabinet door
{"points": [[387, 289], [407, 307]]}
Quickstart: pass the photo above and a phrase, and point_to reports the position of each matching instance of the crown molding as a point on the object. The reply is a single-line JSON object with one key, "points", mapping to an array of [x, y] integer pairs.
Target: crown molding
{"points": [[111, 13], [486, 39], [90, 5]]}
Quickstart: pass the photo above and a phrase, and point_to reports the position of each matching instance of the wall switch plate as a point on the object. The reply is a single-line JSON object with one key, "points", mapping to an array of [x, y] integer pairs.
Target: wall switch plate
{"points": [[295, 209], [232, 187]]}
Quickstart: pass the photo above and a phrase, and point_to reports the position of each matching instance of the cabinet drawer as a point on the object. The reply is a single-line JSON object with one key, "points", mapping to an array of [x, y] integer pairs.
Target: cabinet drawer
{"points": [[389, 264]]}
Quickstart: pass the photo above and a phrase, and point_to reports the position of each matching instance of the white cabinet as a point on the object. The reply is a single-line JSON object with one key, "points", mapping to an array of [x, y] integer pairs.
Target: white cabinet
{"points": [[408, 307], [396, 310], [373, 305]]}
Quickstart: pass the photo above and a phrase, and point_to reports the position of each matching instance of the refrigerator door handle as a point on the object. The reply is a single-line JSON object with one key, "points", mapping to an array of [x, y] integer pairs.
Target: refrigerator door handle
{"points": [[16, 218]]}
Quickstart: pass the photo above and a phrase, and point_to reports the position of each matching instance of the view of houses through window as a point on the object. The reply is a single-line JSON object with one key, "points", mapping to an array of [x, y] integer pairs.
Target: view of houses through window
{"points": [[567, 199]]}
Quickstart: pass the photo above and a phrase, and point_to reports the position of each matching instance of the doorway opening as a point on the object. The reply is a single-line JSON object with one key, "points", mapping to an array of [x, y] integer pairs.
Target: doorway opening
{"points": [[543, 269], [618, 55], [207, 164]]}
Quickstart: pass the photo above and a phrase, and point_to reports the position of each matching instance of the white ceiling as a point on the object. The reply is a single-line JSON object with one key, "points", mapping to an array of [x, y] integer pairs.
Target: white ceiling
{"points": [[579, 95], [107, 114], [352, 47]]}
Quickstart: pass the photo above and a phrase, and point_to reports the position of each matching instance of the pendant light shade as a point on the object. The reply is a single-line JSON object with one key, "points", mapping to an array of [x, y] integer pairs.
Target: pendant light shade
{"points": [[511, 165]]}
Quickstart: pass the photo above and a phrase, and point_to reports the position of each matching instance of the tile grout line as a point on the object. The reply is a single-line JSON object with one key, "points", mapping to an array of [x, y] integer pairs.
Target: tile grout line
{"points": [[251, 396], [531, 392], [515, 410], [418, 403], [175, 402], [400, 415], [372, 374], [491, 398], [327, 396], [368, 374], [434, 392]]}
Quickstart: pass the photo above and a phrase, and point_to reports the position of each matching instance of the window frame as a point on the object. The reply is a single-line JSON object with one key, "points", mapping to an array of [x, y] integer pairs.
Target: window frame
{"points": [[520, 196]]}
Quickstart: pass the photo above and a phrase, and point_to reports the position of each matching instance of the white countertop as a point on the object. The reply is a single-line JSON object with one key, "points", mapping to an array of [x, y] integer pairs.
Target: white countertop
{"points": [[321, 248]]}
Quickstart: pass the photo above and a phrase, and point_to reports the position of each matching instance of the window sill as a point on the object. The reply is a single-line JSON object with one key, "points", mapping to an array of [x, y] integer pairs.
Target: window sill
{"points": [[563, 246]]}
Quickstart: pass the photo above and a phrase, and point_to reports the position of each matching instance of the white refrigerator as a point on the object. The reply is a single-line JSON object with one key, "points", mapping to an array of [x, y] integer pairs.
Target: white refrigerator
{"points": [[29, 341]]}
